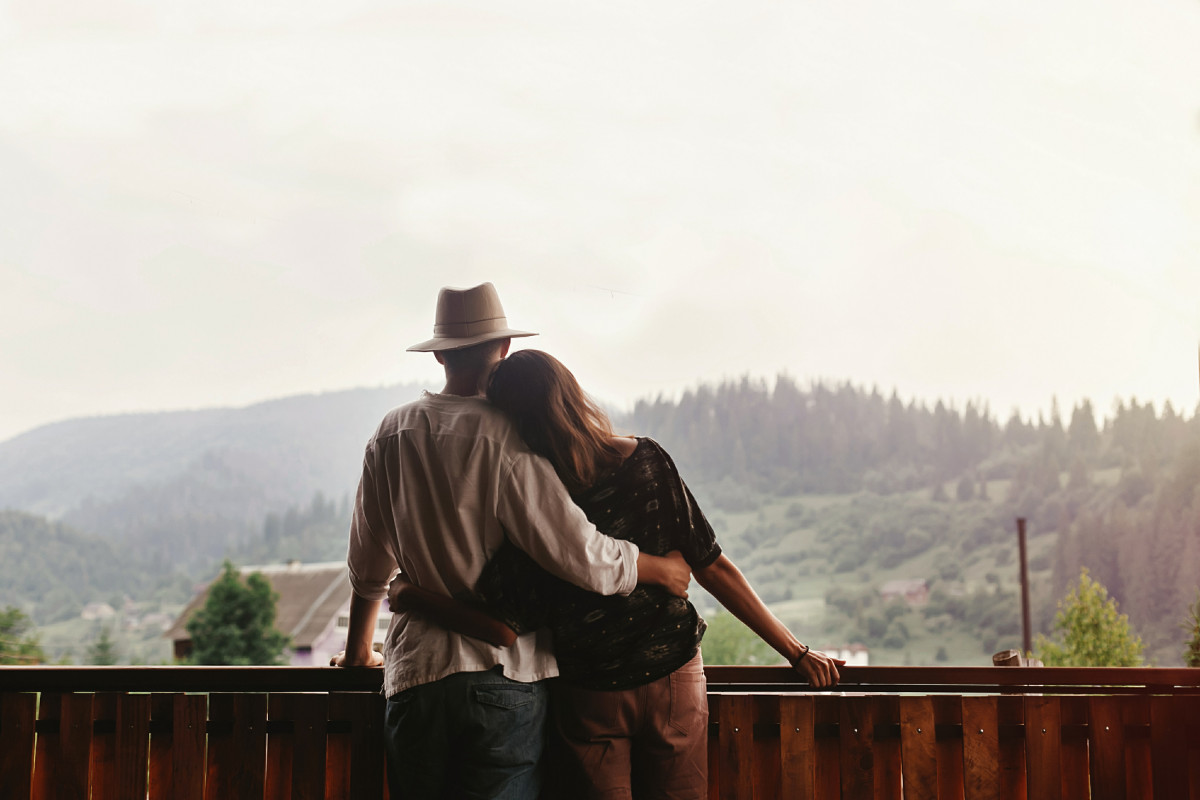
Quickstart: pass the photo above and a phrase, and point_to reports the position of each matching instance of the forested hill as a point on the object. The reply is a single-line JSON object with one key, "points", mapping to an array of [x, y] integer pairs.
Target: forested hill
{"points": [[291, 446], [812, 487], [1121, 497], [183, 486]]}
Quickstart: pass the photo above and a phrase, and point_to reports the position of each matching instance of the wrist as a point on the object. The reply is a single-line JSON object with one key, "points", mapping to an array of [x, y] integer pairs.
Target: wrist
{"points": [[802, 651]]}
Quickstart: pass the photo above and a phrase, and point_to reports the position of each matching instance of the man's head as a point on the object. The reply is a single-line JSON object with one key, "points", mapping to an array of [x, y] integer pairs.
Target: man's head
{"points": [[470, 334], [474, 360]]}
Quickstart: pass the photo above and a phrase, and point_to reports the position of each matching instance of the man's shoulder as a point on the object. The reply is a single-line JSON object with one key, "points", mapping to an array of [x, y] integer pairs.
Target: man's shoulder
{"points": [[450, 415]]}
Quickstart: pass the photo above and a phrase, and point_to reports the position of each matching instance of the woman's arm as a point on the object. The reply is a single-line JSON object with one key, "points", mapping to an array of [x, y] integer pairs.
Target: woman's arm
{"points": [[725, 581], [404, 595]]}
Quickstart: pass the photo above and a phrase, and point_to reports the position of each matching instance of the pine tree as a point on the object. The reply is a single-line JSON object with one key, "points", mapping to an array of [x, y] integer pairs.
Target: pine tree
{"points": [[237, 624], [103, 651], [17, 645], [1094, 633], [1191, 652]]}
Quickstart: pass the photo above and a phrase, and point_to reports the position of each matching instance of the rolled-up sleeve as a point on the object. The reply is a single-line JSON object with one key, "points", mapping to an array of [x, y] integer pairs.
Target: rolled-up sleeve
{"points": [[371, 564], [542, 520]]}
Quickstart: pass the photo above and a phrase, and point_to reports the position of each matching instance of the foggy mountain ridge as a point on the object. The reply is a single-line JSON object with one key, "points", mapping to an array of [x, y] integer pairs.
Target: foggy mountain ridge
{"points": [[292, 446], [809, 487]]}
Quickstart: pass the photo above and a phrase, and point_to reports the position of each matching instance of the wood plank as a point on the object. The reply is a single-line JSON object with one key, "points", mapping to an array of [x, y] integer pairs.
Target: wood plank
{"points": [[103, 765], [766, 746], [17, 715], [189, 736], [736, 732], [1043, 747], [1106, 735], [339, 747], [1010, 714], [71, 776], [826, 715], [888, 777], [237, 744], [133, 744], [48, 748], [981, 749], [1191, 711], [797, 754], [918, 748], [947, 717], [310, 713], [1169, 747], [158, 780], [1076, 778], [1139, 783], [856, 735], [368, 758], [714, 747], [319, 679], [280, 748]]}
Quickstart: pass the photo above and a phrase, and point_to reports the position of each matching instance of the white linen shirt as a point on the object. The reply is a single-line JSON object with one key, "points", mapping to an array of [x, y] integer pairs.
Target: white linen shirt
{"points": [[444, 479]]}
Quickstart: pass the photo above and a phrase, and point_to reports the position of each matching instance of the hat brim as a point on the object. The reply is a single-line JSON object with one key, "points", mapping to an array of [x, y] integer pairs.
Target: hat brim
{"points": [[441, 343]]}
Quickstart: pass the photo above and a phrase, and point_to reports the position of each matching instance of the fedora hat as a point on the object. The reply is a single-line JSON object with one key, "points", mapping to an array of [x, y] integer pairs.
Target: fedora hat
{"points": [[467, 317]]}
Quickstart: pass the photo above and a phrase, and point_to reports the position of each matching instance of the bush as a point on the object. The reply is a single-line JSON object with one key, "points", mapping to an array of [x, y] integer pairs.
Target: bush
{"points": [[1094, 633]]}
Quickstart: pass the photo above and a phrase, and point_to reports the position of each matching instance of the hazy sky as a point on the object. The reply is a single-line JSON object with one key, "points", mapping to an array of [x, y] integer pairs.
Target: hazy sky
{"points": [[219, 202]]}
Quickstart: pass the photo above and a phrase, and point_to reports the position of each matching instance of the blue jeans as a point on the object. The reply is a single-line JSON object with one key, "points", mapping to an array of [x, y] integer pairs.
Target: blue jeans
{"points": [[471, 735]]}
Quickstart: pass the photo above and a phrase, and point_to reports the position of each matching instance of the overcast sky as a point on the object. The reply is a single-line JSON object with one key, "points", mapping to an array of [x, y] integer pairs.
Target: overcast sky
{"points": [[220, 202]]}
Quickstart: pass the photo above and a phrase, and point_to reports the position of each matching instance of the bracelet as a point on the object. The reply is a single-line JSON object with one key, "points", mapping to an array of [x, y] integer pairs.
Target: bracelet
{"points": [[800, 657]]}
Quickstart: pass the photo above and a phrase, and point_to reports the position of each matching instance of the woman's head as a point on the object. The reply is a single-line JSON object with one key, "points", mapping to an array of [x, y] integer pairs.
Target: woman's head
{"points": [[554, 416]]}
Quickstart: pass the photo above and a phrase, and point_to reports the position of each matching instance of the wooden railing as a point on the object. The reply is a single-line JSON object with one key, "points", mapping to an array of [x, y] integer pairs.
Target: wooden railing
{"points": [[993, 733]]}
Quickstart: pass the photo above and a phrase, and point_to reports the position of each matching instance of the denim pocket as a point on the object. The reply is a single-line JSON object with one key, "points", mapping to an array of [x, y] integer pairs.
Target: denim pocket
{"points": [[503, 695]]}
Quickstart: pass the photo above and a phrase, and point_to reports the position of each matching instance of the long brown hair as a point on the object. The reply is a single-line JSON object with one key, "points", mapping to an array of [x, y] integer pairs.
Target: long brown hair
{"points": [[554, 416]]}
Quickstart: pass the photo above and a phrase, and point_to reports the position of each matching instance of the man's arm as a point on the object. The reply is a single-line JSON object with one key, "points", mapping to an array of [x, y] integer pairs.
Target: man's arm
{"points": [[358, 652], [404, 595], [729, 586], [541, 519]]}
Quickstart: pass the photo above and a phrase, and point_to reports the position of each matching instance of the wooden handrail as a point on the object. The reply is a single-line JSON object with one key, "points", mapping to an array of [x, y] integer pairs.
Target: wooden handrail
{"points": [[189, 733], [926, 680]]}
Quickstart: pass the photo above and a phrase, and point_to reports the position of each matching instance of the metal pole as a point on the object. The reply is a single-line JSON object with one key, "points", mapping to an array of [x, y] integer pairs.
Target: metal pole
{"points": [[1026, 627]]}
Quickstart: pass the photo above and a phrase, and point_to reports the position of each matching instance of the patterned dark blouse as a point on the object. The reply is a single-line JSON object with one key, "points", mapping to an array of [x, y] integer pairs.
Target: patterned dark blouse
{"points": [[614, 642]]}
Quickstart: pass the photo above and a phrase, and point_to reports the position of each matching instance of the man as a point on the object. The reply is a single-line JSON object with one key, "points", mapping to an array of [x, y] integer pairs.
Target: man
{"points": [[445, 479]]}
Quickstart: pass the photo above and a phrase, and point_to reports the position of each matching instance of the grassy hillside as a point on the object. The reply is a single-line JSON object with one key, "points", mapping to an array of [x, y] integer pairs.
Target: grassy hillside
{"points": [[819, 561], [820, 493], [51, 571]]}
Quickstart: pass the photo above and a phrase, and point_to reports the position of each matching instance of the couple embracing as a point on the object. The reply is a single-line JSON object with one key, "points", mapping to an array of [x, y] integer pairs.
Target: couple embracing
{"points": [[533, 543]]}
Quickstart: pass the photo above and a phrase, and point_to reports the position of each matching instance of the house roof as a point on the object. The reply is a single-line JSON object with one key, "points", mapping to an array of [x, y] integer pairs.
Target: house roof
{"points": [[309, 596], [904, 586]]}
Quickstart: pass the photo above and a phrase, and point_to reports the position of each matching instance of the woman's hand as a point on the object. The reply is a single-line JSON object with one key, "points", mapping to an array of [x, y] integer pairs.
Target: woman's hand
{"points": [[398, 594], [820, 670]]}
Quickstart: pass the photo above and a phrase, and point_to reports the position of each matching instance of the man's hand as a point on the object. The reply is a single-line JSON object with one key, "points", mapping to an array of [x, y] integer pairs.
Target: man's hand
{"points": [[373, 660], [670, 572], [820, 670]]}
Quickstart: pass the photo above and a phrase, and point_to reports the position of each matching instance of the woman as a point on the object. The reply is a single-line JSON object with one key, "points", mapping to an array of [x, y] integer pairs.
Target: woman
{"points": [[630, 710]]}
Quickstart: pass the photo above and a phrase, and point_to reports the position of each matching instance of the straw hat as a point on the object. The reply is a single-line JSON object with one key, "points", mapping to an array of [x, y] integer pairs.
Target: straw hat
{"points": [[467, 317]]}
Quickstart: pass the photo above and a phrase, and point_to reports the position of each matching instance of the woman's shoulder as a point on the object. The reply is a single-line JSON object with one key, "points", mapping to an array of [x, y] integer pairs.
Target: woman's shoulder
{"points": [[650, 448]]}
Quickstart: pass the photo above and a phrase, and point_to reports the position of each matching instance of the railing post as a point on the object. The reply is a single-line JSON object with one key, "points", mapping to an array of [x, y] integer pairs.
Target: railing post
{"points": [[1026, 626]]}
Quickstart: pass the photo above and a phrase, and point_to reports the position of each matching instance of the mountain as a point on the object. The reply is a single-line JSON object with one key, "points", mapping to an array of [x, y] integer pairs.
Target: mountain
{"points": [[821, 493], [183, 486]]}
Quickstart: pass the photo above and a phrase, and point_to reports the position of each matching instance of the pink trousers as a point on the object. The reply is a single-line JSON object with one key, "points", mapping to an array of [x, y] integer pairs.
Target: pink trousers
{"points": [[650, 742]]}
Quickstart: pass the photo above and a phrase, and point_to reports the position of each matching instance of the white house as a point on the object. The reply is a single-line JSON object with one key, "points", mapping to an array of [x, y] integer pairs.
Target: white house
{"points": [[313, 609]]}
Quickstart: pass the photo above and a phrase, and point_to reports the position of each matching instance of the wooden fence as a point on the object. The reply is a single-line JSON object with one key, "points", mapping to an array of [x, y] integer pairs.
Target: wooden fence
{"points": [[987, 733]]}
